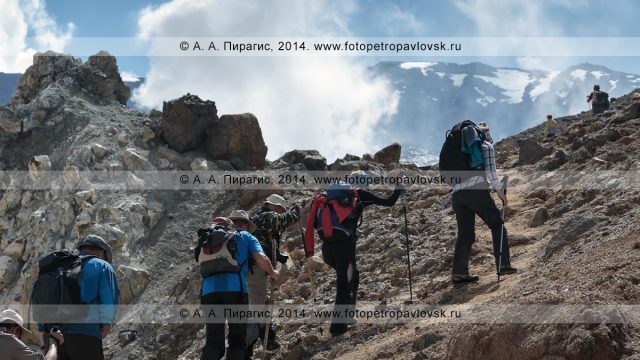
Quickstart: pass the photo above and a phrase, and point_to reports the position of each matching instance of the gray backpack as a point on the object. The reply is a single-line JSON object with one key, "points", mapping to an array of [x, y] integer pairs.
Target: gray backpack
{"points": [[216, 250]]}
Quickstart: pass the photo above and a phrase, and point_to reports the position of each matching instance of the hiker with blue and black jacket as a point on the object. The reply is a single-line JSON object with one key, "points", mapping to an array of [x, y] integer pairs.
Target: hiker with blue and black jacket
{"points": [[223, 253], [335, 215], [472, 197]]}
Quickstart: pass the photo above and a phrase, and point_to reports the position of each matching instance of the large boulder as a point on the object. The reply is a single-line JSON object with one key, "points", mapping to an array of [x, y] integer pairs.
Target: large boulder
{"points": [[185, 121], [311, 159], [530, 152], [132, 282], [237, 137], [540, 216], [388, 155], [569, 232], [9, 268]]}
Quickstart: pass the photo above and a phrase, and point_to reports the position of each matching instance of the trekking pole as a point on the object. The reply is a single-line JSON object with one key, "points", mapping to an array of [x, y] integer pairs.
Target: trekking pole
{"points": [[406, 233], [272, 295], [504, 181], [313, 289]]}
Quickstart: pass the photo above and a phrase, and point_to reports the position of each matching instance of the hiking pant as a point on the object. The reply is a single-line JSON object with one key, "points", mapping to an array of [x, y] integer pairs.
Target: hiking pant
{"points": [[214, 348], [339, 255], [80, 347], [257, 285], [467, 204]]}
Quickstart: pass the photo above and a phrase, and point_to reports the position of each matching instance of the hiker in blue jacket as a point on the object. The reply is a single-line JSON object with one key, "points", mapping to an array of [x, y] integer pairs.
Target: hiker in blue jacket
{"points": [[98, 287]]}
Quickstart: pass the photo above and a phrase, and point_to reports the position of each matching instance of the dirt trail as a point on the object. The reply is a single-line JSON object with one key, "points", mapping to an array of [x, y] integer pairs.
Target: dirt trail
{"points": [[487, 290]]}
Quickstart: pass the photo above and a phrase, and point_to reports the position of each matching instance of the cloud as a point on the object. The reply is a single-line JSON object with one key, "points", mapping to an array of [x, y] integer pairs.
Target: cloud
{"points": [[323, 103], [22, 19], [396, 21]]}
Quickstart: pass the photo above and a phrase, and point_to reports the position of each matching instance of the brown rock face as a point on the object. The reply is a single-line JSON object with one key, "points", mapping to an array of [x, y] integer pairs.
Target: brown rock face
{"points": [[388, 155], [237, 136], [185, 120]]}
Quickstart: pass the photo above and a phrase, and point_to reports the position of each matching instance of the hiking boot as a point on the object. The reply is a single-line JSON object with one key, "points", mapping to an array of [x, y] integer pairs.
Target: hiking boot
{"points": [[338, 329], [506, 270], [273, 344], [461, 279]]}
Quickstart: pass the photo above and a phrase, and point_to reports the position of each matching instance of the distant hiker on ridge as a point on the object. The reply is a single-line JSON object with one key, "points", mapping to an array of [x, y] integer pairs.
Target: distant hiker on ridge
{"points": [[471, 197], [599, 100], [339, 239], [225, 279], [550, 127]]}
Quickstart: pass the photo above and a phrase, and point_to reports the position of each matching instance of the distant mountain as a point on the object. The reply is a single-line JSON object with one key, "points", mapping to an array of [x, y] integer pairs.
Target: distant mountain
{"points": [[435, 96], [8, 84]]}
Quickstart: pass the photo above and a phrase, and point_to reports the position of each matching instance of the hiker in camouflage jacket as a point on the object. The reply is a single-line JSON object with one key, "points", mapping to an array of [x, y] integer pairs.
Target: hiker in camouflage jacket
{"points": [[271, 222]]}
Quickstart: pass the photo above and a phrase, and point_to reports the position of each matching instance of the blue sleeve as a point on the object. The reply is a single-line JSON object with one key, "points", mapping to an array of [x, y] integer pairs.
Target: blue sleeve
{"points": [[109, 294], [252, 243]]}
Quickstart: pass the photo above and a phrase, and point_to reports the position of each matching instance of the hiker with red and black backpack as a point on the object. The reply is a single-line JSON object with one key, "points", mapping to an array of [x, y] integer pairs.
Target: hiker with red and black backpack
{"points": [[335, 216], [599, 100], [468, 153], [223, 253]]}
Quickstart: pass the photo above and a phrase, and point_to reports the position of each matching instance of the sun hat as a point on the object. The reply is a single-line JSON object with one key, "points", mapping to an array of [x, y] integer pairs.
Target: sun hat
{"points": [[97, 242], [242, 215], [10, 316]]}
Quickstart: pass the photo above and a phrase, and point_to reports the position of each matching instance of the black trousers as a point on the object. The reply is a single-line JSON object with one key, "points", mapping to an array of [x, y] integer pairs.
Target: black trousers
{"points": [[339, 255], [81, 347], [214, 348], [467, 204]]}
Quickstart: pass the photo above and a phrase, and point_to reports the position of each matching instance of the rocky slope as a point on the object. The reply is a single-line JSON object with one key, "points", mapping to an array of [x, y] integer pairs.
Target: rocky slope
{"points": [[574, 241]]}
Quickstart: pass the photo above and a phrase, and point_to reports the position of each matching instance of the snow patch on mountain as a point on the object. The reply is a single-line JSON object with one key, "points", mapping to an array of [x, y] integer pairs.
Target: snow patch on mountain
{"points": [[457, 79], [613, 83], [441, 74], [562, 94], [513, 82], [598, 74], [579, 74], [543, 85], [422, 65]]}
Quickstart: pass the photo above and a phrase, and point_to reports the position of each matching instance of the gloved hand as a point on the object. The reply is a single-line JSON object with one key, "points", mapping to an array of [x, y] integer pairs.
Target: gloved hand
{"points": [[296, 209], [281, 258]]}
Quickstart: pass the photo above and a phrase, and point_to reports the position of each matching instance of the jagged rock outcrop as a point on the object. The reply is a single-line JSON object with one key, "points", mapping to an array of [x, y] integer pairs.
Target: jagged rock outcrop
{"points": [[99, 75], [388, 155], [311, 159], [185, 121], [237, 137]]}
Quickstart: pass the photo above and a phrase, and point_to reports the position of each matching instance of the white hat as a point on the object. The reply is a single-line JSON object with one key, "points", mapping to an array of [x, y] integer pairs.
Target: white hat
{"points": [[275, 199], [10, 316]]}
